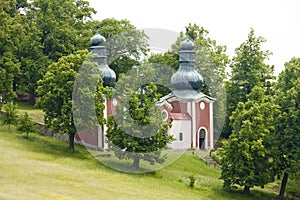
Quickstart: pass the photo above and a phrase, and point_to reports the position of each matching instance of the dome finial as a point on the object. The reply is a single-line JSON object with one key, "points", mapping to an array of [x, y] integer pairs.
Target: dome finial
{"points": [[186, 33], [187, 44]]}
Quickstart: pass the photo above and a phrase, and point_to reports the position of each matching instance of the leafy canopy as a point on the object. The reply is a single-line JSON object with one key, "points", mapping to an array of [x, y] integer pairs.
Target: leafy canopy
{"points": [[248, 156]]}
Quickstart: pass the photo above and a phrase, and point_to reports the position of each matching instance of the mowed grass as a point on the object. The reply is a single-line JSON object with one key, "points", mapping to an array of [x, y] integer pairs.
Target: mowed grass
{"points": [[34, 113], [43, 168]]}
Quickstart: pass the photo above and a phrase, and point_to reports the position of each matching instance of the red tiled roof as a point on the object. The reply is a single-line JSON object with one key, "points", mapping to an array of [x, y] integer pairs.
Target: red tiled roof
{"points": [[179, 116]]}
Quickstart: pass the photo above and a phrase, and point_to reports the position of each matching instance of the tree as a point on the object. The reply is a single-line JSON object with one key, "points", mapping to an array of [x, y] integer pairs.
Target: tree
{"points": [[138, 131], [248, 69], [248, 156], [56, 88], [168, 59], [288, 126], [25, 124], [10, 114], [53, 29], [33, 62], [11, 33]]}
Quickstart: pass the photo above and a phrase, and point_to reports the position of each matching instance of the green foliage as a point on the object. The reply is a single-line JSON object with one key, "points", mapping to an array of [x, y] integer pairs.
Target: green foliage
{"points": [[288, 126], [248, 157], [88, 97], [52, 29], [192, 179], [168, 59], [55, 93], [248, 69], [60, 23], [137, 131], [10, 114], [11, 33], [25, 124], [33, 62]]}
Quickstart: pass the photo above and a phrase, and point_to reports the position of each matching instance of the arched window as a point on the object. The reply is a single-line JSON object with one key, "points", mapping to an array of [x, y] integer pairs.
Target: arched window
{"points": [[202, 135], [165, 115], [180, 136]]}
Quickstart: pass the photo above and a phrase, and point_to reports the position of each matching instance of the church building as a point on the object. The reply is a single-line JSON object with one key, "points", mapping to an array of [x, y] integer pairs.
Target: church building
{"points": [[189, 111]]}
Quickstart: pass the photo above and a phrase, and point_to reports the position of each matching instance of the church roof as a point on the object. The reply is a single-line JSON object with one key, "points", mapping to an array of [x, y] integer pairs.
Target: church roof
{"points": [[181, 116], [186, 78], [186, 96]]}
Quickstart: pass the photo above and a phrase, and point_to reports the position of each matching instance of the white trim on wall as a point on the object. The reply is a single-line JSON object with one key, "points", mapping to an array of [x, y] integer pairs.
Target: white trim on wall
{"points": [[211, 123], [194, 124], [104, 126]]}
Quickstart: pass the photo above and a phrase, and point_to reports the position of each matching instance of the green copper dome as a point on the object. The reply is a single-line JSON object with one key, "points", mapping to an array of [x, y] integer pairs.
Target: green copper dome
{"points": [[97, 39], [187, 44], [98, 47], [186, 79]]}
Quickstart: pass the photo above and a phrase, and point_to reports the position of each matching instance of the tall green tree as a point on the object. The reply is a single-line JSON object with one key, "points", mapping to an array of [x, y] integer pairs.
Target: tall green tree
{"points": [[33, 62], [248, 156], [138, 131], [287, 126], [10, 115], [248, 69], [53, 29], [11, 33], [55, 92]]}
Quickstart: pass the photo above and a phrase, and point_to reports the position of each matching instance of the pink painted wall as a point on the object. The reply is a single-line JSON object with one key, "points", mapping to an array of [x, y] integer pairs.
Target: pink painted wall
{"points": [[203, 120]]}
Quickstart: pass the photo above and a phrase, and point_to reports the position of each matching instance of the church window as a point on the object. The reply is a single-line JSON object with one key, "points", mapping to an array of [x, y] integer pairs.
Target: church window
{"points": [[180, 136], [165, 115], [202, 105]]}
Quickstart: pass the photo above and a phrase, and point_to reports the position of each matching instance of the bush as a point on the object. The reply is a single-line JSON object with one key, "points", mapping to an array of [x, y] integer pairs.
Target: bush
{"points": [[192, 179], [10, 115], [25, 124]]}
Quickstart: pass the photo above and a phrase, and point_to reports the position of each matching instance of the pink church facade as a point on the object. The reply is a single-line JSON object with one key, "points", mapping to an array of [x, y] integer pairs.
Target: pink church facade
{"points": [[192, 122]]}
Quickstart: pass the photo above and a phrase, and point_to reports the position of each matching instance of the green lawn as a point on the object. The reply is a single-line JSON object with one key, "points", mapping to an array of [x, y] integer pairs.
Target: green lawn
{"points": [[43, 168], [34, 114]]}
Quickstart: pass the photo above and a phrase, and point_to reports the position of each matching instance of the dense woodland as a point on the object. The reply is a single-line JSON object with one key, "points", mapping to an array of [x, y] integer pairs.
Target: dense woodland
{"points": [[44, 43]]}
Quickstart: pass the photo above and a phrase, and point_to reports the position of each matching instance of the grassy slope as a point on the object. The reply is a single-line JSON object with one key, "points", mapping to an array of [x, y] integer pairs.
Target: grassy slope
{"points": [[42, 168], [34, 114]]}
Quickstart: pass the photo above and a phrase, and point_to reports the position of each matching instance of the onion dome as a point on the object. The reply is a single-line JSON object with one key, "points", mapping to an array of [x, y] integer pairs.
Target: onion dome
{"points": [[108, 77], [98, 48], [97, 39], [186, 80], [187, 44]]}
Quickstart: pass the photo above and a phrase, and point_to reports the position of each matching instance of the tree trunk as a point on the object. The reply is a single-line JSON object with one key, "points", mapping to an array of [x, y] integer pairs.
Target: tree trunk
{"points": [[71, 141], [283, 185], [246, 190], [136, 163], [32, 96]]}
